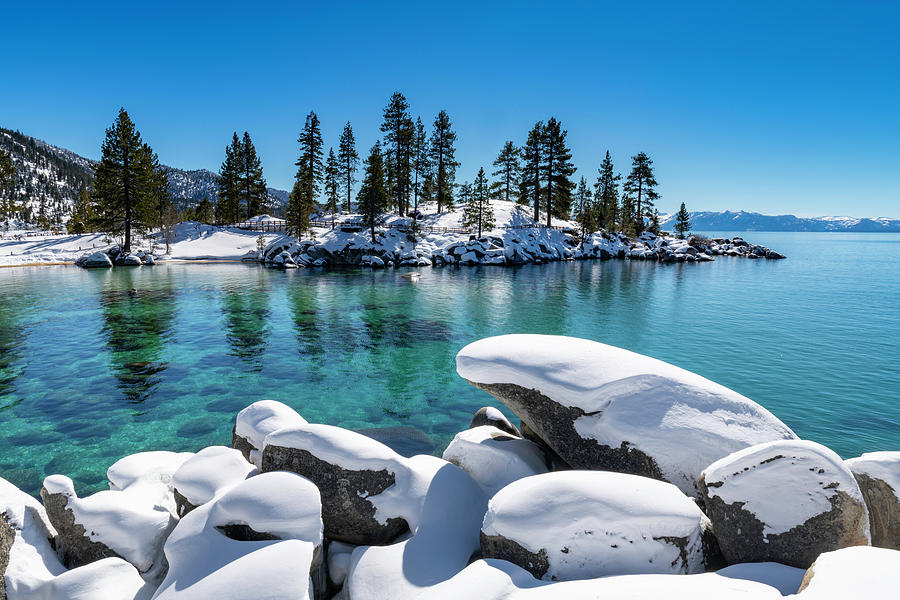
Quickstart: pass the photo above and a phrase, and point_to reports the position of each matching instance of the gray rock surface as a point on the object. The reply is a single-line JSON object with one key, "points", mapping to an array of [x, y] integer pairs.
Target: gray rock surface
{"points": [[878, 476], [488, 415]]}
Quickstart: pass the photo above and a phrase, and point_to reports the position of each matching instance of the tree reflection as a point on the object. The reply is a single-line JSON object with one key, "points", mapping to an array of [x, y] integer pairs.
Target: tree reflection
{"points": [[12, 337], [246, 314]]}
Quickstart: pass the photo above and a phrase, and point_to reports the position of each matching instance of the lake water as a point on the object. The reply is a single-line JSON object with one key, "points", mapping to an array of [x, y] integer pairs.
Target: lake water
{"points": [[89, 373]]}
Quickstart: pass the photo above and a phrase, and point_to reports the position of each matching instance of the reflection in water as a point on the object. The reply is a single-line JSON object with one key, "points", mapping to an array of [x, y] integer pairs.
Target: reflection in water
{"points": [[304, 310], [11, 339], [246, 314], [137, 325]]}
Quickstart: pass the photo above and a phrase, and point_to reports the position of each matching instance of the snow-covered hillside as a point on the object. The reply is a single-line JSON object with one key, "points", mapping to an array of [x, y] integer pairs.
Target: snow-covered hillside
{"points": [[751, 221]]}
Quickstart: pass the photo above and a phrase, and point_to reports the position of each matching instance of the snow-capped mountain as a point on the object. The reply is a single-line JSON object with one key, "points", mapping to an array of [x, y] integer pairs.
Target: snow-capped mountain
{"points": [[49, 179], [750, 221]]}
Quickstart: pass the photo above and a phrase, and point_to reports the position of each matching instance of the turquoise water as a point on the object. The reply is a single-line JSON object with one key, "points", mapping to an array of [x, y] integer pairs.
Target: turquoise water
{"points": [[89, 373]]}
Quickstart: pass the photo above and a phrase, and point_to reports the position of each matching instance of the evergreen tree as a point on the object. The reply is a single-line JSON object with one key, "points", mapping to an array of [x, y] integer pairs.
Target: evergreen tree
{"points": [[558, 167], [654, 222], [642, 184], [309, 175], [348, 160], [251, 181], [682, 222], [373, 196], [83, 217], [398, 140], [332, 184], [585, 212], [627, 215], [228, 207], [204, 211], [443, 157], [156, 183], [7, 180], [127, 195], [507, 163], [606, 194], [420, 160], [465, 192], [478, 211], [530, 190]]}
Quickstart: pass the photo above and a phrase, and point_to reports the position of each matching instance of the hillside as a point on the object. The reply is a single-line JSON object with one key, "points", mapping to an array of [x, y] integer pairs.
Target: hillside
{"points": [[750, 221], [49, 178]]}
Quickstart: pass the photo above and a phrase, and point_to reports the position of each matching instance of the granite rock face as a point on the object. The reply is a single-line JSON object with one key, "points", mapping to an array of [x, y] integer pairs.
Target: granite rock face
{"points": [[878, 476], [488, 415]]}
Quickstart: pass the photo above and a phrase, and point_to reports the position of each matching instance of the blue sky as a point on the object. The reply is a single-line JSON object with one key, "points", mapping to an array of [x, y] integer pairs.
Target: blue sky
{"points": [[778, 107]]}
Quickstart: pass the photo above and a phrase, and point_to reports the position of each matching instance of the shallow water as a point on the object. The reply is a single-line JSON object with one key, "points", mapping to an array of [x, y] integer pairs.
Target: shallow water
{"points": [[89, 373]]}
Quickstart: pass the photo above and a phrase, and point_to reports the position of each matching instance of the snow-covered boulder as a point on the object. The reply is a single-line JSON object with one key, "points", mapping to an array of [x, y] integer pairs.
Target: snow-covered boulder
{"points": [[370, 260], [206, 473], [605, 408], [107, 579], [488, 415], [878, 476], [861, 572], [109, 523], [149, 473], [148, 260], [97, 260], [362, 481], [494, 458], [786, 501], [258, 420], [582, 524], [339, 562], [128, 260]]}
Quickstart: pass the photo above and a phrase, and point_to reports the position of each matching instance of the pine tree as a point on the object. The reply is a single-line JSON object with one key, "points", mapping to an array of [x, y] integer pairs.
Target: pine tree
{"points": [[83, 217], [309, 175], [332, 184], [204, 211], [654, 222], [399, 130], [7, 180], [465, 192], [421, 164], [530, 190], [228, 207], [348, 160], [585, 212], [156, 183], [606, 194], [251, 181], [507, 163], [127, 196], [558, 167], [642, 184], [373, 195], [478, 211], [682, 222], [627, 214], [443, 157]]}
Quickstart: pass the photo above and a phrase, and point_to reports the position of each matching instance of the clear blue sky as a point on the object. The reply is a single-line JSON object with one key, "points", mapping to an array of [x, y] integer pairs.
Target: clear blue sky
{"points": [[779, 107]]}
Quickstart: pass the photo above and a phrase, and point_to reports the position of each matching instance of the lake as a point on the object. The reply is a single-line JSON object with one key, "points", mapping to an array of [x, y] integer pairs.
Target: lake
{"points": [[90, 373]]}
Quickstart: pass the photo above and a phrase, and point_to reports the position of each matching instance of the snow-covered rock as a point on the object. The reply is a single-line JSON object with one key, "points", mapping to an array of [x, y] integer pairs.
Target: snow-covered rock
{"points": [[785, 579], [206, 473], [859, 572], [258, 420], [878, 476], [582, 524], [150, 473], [128, 260], [488, 415], [786, 501], [109, 523], [96, 260], [494, 458], [602, 407], [106, 579], [339, 561]]}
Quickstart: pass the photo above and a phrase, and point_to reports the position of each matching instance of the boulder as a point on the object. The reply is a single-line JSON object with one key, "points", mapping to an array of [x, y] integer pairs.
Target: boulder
{"points": [[605, 408], [488, 415], [583, 524], [97, 260], [494, 458], [878, 476], [206, 474], [858, 572], [258, 420], [128, 260], [110, 523], [150, 474], [106, 579], [786, 501]]}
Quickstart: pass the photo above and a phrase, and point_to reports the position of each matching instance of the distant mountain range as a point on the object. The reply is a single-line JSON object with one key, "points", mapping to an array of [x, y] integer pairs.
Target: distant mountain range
{"points": [[49, 178], [750, 221]]}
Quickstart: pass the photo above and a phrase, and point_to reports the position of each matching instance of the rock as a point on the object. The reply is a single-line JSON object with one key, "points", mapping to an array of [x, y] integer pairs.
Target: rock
{"points": [[258, 420], [107, 524], [206, 474], [148, 260], [150, 474], [97, 260], [26, 555], [488, 415], [339, 562], [494, 458], [786, 501], [605, 408], [858, 572], [771, 254], [128, 260], [584, 524], [105, 579], [878, 476]]}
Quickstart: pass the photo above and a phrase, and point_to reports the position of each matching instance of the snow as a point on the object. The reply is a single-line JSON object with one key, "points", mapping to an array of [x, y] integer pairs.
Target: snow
{"points": [[32, 249], [781, 577], [195, 241], [260, 419], [855, 572], [784, 483], [879, 465], [596, 523], [150, 472], [339, 561], [683, 420], [106, 579], [493, 458], [209, 471]]}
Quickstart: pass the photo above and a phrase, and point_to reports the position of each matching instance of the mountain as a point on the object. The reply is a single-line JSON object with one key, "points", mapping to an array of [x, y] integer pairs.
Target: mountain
{"points": [[750, 221], [49, 178]]}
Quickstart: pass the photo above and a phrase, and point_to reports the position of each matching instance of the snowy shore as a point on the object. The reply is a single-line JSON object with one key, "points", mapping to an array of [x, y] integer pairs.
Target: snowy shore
{"points": [[626, 478], [515, 240]]}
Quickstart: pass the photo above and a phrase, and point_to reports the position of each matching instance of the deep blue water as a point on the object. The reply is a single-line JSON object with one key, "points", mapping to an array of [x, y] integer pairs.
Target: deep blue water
{"points": [[89, 373]]}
